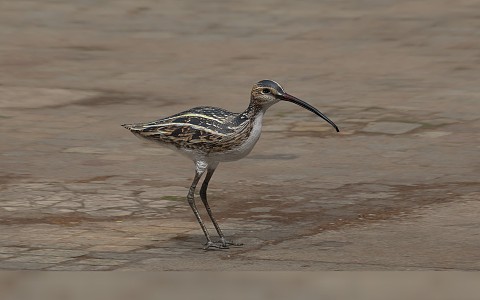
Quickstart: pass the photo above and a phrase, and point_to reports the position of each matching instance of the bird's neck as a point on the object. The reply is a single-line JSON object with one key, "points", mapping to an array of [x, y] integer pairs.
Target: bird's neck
{"points": [[254, 109], [251, 113]]}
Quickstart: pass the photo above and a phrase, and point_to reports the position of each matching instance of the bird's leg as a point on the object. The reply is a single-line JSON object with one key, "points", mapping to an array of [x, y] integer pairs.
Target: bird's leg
{"points": [[203, 195], [200, 168]]}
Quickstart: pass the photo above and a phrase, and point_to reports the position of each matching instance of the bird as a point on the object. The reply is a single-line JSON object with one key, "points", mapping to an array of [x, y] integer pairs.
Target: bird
{"points": [[210, 135]]}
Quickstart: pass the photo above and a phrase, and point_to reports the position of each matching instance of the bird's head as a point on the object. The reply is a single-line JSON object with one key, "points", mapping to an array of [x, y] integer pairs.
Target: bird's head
{"points": [[265, 93]]}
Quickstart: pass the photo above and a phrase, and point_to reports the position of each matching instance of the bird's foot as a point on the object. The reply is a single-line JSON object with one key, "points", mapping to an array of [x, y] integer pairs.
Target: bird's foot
{"points": [[215, 246], [224, 242], [221, 244]]}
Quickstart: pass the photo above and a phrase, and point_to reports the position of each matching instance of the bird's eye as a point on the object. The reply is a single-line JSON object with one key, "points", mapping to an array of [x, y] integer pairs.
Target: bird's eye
{"points": [[265, 91]]}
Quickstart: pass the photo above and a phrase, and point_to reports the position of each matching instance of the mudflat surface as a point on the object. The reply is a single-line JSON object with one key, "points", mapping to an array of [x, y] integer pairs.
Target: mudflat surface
{"points": [[397, 189]]}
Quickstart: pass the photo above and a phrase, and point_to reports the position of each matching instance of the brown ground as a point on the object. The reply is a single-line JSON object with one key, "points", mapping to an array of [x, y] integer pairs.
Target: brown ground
{"points": [[397, 189]]}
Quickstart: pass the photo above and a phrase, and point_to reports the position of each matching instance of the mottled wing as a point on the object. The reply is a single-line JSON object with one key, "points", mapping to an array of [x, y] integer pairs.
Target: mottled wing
{"points": [[197, 127]]}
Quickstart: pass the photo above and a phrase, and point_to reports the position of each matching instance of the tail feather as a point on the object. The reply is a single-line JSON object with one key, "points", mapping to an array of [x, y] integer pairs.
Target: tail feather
{"points": [[132, 127]]}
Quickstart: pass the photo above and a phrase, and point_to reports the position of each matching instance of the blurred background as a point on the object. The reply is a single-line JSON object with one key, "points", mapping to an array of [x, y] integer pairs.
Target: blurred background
{"points": [[396, 189]]}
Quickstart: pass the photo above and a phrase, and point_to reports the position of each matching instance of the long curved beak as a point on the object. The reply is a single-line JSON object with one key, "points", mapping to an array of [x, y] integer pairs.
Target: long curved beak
{"points": [[290, 98]]}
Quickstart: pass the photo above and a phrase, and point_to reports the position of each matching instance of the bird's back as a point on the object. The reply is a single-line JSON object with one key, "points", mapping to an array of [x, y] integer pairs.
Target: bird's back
{"points": [[202, 128]]}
